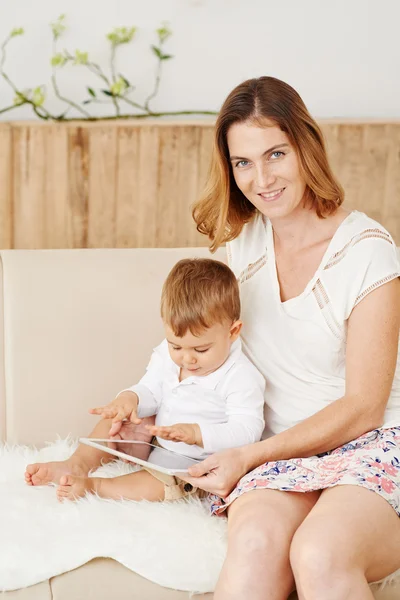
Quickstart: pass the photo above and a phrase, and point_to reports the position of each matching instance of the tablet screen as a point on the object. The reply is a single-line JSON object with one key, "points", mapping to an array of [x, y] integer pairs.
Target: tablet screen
{"points": [[150, 453]]}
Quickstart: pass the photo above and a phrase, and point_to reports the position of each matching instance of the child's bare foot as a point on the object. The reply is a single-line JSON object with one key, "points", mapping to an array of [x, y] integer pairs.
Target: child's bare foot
{"points": [[50, 472], [72, 487]]}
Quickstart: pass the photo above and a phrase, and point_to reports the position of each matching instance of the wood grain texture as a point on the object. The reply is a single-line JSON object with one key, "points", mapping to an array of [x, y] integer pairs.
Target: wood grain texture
{"points": [[77, 159], [29, 177], [130, 184], [57, 214]]}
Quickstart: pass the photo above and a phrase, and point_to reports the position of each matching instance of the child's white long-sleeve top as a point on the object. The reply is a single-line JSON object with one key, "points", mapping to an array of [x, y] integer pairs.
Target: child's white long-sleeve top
{"points": [[228, 404]]}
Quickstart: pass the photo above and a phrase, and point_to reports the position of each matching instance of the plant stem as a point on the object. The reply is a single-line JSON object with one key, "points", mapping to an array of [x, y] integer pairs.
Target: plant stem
{"points": [[174, 113], [156, 86], [150, 115], [3, 110], [114, 79], [96, 69], [2, 62], [66, 100], [38, 110], [157, 82], [112, 63], [132, 103], [57, 89]]}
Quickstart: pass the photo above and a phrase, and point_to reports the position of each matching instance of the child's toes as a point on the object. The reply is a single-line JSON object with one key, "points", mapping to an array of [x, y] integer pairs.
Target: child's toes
{"points": [[29, 472], [61, 494], [66, 480]]}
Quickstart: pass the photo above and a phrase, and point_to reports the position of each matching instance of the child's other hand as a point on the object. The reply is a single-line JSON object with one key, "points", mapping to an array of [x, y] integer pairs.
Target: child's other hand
{"points": [[188, 433], [124, 406]]}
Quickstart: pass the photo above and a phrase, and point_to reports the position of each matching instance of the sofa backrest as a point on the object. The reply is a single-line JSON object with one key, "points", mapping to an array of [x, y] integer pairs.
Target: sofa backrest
{"points": [[77, 327]]}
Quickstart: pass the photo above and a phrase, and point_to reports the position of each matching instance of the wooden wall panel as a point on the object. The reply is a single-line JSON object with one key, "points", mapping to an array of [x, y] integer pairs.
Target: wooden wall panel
{"points": [[148, 175], [131, 183], [187, 185], [102, 211], [366, 160], [56, 233], [167, 208], [127, 188], [78, 186], [29, 175]]}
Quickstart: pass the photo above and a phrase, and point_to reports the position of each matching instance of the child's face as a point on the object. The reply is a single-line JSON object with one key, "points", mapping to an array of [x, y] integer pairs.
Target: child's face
{"points": [[202, 354]]}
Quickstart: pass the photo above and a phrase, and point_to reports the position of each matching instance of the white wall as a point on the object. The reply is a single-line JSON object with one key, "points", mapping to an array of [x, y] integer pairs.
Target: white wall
{"points": [[343, 56]]}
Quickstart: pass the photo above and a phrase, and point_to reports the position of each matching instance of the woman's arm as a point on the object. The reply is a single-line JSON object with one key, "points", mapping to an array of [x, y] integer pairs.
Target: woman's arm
{"points": [[371, 354]]}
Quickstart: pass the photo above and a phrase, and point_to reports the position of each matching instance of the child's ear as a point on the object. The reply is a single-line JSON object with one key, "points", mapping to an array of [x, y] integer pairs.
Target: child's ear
{"points": [[235, 330]]}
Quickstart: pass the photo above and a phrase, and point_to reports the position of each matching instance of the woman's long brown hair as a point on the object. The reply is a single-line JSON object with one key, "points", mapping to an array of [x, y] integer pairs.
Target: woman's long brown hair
{"points": [[222, 210]]}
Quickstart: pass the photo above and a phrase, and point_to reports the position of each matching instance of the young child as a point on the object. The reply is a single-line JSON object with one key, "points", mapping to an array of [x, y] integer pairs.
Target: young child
{"points": [[205, 393]]}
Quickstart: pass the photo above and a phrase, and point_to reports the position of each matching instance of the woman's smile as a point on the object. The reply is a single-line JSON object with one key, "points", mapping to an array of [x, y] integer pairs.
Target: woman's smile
{"points": [[272, 196]]}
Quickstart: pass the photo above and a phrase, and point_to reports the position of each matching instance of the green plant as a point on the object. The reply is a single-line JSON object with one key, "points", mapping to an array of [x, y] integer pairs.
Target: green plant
{"points": [[115, 86]]}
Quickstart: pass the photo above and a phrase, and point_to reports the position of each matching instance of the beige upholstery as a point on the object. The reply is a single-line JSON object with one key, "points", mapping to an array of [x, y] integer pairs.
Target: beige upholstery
{"points": [[77, 326]]}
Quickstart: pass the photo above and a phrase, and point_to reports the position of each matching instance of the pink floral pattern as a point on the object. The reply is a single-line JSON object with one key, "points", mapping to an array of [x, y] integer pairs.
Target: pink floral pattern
{"points": [[371, 461]]}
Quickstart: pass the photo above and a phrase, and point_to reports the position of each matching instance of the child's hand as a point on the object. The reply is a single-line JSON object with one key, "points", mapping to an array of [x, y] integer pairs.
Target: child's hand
{"points": [[189, 433], [124, 406]]}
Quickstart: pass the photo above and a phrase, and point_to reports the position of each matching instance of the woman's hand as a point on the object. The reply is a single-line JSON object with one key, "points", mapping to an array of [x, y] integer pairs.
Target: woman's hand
{"points": [[220, 472], [124, 406]]}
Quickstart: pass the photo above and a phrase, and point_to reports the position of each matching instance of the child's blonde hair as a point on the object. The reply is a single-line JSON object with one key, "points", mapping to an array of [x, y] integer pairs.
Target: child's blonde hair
{"points": [[197, 294]]}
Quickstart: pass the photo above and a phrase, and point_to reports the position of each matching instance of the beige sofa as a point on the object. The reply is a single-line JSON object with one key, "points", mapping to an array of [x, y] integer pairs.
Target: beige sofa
{"points": [[77, 326]]}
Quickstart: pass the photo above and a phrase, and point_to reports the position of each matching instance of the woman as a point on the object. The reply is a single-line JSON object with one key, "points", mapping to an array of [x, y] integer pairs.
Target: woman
{"points": [[321, 309]]}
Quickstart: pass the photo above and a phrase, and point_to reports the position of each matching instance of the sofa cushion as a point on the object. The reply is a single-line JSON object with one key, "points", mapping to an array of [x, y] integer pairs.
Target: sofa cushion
{"points": [[104, 579]]}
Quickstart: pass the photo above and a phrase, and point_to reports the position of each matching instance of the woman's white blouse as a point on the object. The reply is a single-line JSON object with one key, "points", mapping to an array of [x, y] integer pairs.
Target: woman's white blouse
{"points": [[300, 345]]}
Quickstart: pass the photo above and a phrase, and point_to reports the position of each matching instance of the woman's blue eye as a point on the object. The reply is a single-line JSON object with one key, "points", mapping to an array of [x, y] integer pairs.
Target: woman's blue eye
{"points": [[277, 152], [242, 163]]}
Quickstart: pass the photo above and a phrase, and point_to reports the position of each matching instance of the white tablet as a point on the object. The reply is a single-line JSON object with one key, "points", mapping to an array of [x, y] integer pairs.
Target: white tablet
{"points": [[146, 455]]}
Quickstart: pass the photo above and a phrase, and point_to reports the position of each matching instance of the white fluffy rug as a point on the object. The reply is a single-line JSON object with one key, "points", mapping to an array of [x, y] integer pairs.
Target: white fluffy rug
{"points": [[177, 545]]}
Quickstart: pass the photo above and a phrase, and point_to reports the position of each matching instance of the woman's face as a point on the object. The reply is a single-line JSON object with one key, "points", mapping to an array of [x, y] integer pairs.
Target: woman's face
{"points": [[266, 168]]}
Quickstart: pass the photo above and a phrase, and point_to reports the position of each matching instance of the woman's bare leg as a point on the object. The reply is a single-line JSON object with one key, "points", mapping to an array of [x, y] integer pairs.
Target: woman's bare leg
{"points": [[350, 538], [140, 485], [261, 525], [83, 460]]}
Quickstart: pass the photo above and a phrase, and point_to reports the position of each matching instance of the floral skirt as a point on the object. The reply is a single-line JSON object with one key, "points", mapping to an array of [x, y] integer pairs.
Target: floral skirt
{"points": [[371, 461]]}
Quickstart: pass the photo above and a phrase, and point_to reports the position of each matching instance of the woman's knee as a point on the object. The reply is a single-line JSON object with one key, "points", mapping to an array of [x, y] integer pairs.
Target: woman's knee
{"points": [[260, 529], [258, 537], [316, 554], [323, 568]]}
